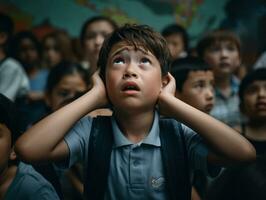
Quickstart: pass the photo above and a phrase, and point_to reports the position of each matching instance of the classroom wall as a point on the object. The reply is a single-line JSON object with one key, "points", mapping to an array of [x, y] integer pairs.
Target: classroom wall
{"points": [[245, 17]]}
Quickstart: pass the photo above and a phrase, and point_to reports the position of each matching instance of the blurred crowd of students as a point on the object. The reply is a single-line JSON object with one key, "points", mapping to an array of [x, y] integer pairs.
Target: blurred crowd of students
{"points": [[42, 76]]}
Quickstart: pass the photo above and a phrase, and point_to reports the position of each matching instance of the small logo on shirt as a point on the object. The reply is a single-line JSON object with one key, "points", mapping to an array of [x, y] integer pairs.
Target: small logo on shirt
{"points": [[157, 183]]}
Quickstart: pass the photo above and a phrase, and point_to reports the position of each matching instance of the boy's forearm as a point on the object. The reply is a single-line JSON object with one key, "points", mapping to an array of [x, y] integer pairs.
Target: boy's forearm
{"points": [[221, 138], [40, 141]]}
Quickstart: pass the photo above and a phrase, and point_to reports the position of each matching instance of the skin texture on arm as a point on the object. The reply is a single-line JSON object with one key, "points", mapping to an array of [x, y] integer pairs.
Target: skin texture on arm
{"points": [[44, 141], [226, 144]]}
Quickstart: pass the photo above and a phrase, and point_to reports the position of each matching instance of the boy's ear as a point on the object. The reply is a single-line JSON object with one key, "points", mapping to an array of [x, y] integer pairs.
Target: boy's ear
{"points": [[165, 81], [13, 155]]}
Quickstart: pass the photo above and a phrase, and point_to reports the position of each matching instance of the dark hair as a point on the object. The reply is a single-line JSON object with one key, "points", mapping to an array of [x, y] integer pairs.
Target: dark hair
{"points": [[21, 36], [254, 75], [217, 36], [181, 67], [173, 29], [137, 36], [9, 117], [7, 27], [92, 20], [63, 69]]}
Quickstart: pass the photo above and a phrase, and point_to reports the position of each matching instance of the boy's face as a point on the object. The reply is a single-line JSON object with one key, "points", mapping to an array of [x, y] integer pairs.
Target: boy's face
{"points": [[67, 88], [254, 101], [198, 90], [175, 44], [223, 57], [133, 78], [95, 34], [5, 147]]}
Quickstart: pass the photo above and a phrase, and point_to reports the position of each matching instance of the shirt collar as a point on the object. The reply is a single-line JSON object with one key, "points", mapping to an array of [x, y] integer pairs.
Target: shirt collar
{"points": [[234, 84], [151, 139]]}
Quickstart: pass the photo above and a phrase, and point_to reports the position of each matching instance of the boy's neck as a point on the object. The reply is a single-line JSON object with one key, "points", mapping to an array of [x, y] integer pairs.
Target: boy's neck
{"points": [[135, 126], [6, 178], [223, 84]]}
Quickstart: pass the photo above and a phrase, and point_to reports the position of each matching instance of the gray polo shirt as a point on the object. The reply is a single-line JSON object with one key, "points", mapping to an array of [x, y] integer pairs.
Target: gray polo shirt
{"points": [[136, 170]]}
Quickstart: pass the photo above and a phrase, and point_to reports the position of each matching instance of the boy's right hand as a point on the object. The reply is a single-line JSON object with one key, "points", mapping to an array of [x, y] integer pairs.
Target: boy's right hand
{"points": [[99, 90]]}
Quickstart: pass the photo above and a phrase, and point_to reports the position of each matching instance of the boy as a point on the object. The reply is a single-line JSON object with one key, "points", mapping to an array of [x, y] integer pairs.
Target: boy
{"points": [[129, 155], [194, 82], [17, 180], [252, 95], [14, 82], [194, 86], [177, 40], [221, 50]]}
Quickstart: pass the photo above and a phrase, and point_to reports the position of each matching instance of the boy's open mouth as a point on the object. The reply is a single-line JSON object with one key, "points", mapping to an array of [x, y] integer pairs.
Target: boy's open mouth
{"points": [[130, 86]]}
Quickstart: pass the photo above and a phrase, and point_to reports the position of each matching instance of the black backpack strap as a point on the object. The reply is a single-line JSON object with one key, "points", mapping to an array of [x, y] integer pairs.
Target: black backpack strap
{"points": [[175, 160], [99, 155]]}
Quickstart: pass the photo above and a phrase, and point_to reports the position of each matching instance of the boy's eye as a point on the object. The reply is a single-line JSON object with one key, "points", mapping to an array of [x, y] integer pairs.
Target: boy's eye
{"points": [[118, 60], [145, 61], [63, 93], [199, 85]]}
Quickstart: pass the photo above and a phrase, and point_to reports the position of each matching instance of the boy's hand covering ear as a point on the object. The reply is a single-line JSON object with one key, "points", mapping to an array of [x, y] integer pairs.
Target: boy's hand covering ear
{"points": [[168, 84], [99, 90], [167, 91]]}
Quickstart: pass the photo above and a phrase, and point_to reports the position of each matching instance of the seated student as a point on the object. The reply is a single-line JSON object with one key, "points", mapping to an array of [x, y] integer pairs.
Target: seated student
{"points": [[177, 40], [194, 86], [247, 182], [221, 50], [134, 154], [252, 95], [14, 82], [17, 179]]}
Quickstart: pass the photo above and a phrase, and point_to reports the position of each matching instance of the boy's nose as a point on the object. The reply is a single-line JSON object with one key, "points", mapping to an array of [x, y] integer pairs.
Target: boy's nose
{"points": [[209, 94], [127, 75]]}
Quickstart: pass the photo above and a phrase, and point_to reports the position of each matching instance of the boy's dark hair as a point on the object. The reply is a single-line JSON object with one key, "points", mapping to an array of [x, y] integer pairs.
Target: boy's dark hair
{"points": [[9, 117], [181, 67], [92, 20], [63, 69], [254, 75], [217, 36], [7, 27], [174, 29], [138, 36]]}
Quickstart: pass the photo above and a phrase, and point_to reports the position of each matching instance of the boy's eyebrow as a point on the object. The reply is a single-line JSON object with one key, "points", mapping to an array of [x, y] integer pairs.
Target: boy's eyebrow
{"points": [[127, 48], [118, 51]]}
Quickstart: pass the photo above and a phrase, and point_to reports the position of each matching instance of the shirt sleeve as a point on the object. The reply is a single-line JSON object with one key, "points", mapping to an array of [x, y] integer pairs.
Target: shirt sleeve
{"points": [[77, 140], [198, 153], [45, 192], [14, 82]]}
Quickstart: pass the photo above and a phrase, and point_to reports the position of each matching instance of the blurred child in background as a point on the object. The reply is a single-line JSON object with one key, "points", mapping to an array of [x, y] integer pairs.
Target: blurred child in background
{"points": [[221, 50]]}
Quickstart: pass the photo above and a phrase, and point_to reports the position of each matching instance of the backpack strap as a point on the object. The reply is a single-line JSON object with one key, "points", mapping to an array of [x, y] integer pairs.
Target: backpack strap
{"points": [[174, 155], [99, 155], [175, 160]]}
